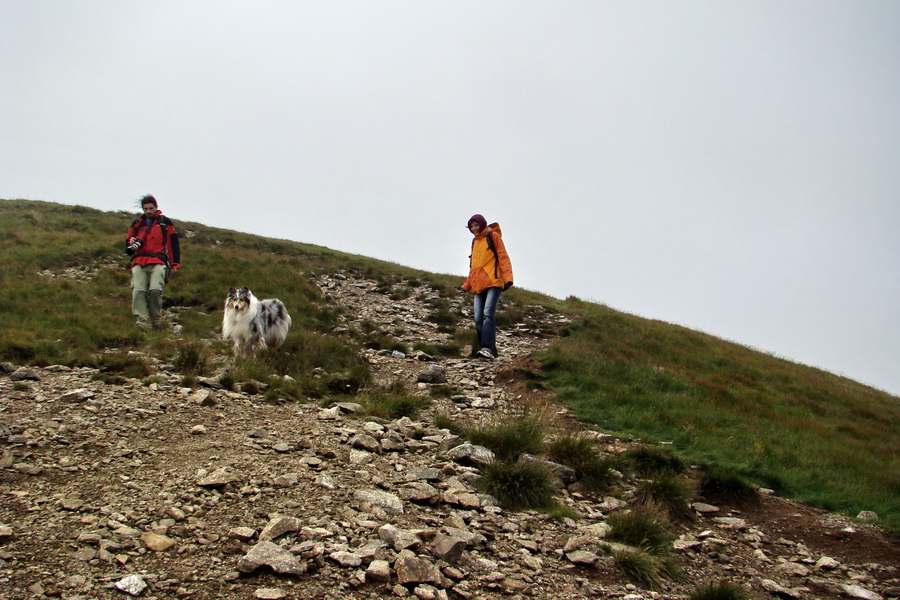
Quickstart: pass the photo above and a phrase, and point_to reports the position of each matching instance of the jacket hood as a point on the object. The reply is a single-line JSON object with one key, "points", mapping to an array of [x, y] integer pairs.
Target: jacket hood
{"points": [[493, 227]]}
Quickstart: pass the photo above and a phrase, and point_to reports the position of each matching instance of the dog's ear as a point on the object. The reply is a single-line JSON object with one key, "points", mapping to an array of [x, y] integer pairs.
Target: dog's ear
{"points": [[232, 292]]}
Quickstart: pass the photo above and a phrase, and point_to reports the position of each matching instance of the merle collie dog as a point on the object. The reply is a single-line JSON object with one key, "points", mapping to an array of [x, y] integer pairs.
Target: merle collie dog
{"points": [[254, 324]]}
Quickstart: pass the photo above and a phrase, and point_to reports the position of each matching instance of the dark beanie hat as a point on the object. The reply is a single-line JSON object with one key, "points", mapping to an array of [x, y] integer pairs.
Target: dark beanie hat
{"points": [[478, 219]]}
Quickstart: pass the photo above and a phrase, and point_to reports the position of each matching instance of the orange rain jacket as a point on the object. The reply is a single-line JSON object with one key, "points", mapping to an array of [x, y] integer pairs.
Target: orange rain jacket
{"points": [[484, 272]]}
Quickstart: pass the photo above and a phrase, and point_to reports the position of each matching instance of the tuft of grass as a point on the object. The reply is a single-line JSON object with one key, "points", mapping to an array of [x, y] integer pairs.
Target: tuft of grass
{"points": [[392, 402], [721, 590], [519, 485], [560, 512], [579, 453], [191, 358], [511, 435], [727, 485], [644, 568], [668, 493], [649, 461], [124, 364], [442, 420], [641, 528]]}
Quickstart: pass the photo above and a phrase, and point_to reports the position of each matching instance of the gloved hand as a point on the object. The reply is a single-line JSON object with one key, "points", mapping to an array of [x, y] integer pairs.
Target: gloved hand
{"points": [[507, 285]]}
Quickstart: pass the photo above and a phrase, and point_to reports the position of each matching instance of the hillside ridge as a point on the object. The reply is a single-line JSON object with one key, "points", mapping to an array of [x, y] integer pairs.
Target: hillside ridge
{"points": [[166, 491]]}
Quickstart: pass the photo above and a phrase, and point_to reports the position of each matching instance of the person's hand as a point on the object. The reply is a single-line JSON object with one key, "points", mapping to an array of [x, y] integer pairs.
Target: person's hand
{"points": [[507, 285]]}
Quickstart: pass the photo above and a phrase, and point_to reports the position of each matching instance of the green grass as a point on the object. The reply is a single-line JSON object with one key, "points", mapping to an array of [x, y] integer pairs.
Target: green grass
{"points": [[808, 434], [510, 435]]}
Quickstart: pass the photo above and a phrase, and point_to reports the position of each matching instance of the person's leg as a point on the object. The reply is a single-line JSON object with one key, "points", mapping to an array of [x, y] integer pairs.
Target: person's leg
{"points": [[488, 333], [479, 315], [155, 291], [140, 283]]}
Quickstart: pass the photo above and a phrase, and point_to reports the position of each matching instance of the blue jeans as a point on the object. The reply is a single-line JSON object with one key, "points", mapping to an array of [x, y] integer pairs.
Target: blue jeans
{"points": [[485, 324]]}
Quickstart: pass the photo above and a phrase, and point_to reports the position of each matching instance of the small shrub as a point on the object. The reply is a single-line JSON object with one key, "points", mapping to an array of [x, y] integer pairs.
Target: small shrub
{"points": [[651, 460], [642, 529], [723, 590], [518, 485], [669, 493], [511, 435]]}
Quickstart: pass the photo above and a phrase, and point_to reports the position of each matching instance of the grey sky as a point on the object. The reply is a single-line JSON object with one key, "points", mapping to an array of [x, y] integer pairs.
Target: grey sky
{"points": [[729, 166]]}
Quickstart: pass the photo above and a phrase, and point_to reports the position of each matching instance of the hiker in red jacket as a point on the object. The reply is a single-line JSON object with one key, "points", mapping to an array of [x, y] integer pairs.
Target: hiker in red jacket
{"points": [[490, 273], [153, 246]]}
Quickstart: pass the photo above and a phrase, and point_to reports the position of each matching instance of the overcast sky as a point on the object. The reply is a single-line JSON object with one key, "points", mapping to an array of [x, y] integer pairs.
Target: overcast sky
{"points": [[727, 165]]}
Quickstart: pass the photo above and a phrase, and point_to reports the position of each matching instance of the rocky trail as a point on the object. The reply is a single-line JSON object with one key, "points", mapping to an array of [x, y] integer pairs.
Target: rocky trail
{"points": [[160, 491]]}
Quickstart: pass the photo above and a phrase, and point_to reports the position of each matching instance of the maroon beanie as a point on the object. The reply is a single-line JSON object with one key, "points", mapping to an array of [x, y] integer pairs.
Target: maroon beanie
{"points": [[478, 219]]}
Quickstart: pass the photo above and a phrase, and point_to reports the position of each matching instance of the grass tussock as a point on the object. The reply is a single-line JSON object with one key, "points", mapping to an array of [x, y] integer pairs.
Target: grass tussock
{"points": [[594, 473], [519, 485], [511, 434], [641, 528], [720, 590], [650, 461], [644, 568], [667, 493], [727, 486], [392, 402]]}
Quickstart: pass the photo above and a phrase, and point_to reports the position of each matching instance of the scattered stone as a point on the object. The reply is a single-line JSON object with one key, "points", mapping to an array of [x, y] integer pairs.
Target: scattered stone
{"points": [[156, 542], [432, 374], [390, 503], [219, 478], [412, 569], [379, 571], [270, 594], [279, 525], [79, 395], [448, 548], [25, 374], [132, 585], [471, 454], [6, 533], [272, 556]]}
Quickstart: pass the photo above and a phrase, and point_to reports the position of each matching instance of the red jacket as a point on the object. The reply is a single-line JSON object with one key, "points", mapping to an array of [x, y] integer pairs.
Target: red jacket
{"points": [[159, 241]]}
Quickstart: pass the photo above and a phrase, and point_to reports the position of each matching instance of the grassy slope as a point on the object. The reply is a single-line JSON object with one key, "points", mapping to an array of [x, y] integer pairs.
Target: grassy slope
{"points": [[809, 434]]}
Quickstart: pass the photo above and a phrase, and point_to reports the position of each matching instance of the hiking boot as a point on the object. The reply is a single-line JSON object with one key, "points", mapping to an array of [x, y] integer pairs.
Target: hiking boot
{"points": [[485, 353]]}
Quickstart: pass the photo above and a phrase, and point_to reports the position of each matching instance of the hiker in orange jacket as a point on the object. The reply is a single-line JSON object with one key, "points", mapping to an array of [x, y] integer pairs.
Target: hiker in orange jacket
{"points": [[490, 273]]}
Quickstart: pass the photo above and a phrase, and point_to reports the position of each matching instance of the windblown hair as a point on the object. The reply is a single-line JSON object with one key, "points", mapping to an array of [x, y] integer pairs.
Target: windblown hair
{"points": [[254, 324]]}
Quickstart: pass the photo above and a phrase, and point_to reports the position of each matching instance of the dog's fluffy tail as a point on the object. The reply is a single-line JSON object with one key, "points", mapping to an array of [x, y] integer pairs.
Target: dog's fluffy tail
{"points": [[275, 321]]}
